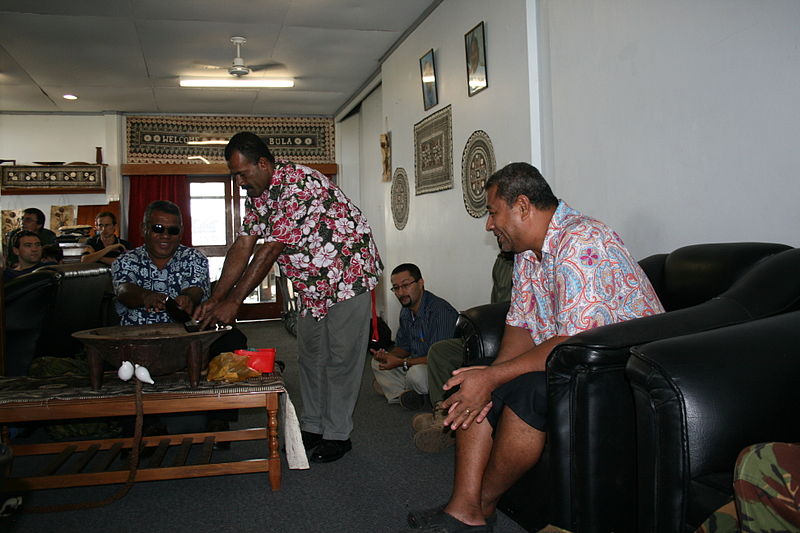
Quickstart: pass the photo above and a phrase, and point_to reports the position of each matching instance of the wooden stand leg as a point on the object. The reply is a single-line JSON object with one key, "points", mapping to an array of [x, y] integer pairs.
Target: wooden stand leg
{"points": [[194, 357], [272, 437], [95, 367]]}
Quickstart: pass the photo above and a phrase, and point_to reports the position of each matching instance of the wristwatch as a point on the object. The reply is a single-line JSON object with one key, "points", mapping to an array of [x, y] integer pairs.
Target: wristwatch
{"points": [[405, 365]]}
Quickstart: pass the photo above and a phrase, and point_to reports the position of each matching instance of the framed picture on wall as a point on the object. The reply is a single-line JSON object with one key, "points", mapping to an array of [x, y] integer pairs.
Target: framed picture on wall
{"points": [[427, 72], [476, 60]]}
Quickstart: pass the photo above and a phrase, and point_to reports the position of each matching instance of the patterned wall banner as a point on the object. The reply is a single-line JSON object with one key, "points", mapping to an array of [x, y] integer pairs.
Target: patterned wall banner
{"points": [[477, 164], [400, 196], [174, 139], [433, 152]]}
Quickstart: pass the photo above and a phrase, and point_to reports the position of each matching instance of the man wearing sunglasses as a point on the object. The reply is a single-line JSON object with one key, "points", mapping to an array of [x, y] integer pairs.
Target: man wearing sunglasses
{"points": [[162, 268], [322, 243], [401, 374]]}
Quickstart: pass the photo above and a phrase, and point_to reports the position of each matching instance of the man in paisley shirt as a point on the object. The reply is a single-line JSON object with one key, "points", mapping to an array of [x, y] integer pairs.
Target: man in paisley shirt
{"points": [[572, 273], [323, 244]]}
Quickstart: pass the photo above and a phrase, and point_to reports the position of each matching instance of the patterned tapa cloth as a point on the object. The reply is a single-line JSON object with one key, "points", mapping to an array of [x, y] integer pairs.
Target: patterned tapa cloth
{"points": [[42, 390], [73, 387]]}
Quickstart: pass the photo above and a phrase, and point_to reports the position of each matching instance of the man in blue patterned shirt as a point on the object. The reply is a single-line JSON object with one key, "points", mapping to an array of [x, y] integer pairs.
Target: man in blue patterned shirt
{"points": [[162, 268], [401, 374]]}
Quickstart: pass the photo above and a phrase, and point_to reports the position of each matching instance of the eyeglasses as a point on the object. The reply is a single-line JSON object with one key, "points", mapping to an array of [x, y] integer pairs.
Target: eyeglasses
{"points": [[160, 228], [403, 286]]}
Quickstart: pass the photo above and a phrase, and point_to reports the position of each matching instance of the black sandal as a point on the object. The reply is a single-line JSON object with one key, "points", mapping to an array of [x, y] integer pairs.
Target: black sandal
{"points": [[440, 522], [425, 517]]}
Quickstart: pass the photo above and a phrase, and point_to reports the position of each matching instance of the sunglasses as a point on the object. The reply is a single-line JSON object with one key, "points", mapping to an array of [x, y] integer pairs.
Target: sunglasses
{"points": [[160, 228]]}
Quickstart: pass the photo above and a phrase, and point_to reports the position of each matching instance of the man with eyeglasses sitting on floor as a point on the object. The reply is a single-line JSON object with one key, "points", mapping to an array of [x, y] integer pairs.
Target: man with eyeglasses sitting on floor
{"points": [[401, 374]]}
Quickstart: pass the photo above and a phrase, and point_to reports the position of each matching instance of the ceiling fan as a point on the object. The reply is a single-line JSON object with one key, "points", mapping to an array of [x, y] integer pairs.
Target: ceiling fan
{"points": [[238, 67]]}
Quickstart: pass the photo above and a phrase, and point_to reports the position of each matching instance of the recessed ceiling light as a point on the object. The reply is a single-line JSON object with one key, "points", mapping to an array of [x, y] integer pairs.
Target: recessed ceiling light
{"points": [[236, 83], [70, 97]]}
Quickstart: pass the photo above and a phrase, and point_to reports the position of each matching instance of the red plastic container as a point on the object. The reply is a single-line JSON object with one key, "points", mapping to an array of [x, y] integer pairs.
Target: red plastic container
{"points": [[261, 360]]}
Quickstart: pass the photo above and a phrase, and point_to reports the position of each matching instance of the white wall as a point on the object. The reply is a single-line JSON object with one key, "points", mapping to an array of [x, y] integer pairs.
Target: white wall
{"points": [[67, 138], [677, 122], [451, 248]]}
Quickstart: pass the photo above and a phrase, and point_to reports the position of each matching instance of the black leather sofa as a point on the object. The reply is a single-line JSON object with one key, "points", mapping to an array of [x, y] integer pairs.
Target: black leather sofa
{"points": [[700, 399], [586, 480], [44, 308]]}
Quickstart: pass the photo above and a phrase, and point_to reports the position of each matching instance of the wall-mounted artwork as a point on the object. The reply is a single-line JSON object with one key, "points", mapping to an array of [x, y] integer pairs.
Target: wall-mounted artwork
{"points": [[12, 219], [476, 60], [61, 215], [386, 155], [53, 178], [427, 72], [433, 152], [400, 197], [166, 139], [477, 164]]}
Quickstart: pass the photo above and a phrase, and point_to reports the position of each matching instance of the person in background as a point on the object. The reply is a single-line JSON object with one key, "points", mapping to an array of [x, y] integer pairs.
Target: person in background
{"points": [[401, 373], [32, 220], [323, 243], [27, 248], [447, 355], [499, 411], [105, 246], [52, 254]]}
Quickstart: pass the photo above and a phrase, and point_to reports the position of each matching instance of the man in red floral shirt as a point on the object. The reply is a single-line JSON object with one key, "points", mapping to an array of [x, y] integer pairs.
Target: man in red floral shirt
{"points": [[322, 242]]}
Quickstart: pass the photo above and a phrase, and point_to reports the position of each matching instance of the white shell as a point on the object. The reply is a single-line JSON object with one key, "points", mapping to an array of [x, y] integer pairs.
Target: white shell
{"points": [[143, 375], [125, 371]]}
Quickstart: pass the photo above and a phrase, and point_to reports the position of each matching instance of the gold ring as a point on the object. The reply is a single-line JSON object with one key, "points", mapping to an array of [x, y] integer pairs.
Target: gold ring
{"points": [[467, 411]]}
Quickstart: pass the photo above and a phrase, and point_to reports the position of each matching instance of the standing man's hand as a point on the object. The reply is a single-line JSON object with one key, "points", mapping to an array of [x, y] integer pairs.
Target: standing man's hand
{"points": [[212, 312]]}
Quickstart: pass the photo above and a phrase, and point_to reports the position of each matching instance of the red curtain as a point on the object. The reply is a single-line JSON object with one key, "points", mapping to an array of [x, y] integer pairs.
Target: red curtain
{"points": [[146, 189]]}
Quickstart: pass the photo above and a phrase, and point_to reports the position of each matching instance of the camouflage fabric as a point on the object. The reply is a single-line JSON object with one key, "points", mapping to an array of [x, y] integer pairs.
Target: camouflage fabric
{"points": [[767, 488]]}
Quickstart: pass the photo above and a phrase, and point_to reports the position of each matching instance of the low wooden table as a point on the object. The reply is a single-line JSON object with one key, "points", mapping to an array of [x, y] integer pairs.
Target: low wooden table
{"points": [[82, 463]]}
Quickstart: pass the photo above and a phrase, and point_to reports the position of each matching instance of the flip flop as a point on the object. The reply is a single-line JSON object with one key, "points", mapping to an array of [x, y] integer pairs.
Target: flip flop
{"points": [[441, 522], [425, 517]]}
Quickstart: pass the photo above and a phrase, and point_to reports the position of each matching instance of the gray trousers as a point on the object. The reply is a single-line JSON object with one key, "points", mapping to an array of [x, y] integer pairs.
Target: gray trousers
{"points": [[331, 356], [443, 357]]}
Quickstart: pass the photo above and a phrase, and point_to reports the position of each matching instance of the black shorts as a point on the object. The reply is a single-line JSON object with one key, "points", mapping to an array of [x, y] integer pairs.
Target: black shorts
{"points": [[526, 396]]}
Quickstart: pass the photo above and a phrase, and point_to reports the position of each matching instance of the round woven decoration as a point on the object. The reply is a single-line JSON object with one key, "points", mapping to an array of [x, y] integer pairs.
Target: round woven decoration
{"points": [[400, 196], [477, 164]]}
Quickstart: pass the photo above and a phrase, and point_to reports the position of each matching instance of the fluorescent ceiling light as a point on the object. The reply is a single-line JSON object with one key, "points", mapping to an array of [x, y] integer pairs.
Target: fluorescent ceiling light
{"points": [[218, 142], [236, 82], [70, 97]]}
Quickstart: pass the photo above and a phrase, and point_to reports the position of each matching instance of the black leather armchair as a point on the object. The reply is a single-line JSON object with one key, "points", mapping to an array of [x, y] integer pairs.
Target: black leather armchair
{"points": [[700, 399], [44, 308], [29, 302], [587, 477]]}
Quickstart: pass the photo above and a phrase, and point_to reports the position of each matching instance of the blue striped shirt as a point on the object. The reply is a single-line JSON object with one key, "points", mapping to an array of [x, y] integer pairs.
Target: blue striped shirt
{"points": [[435, 321]]}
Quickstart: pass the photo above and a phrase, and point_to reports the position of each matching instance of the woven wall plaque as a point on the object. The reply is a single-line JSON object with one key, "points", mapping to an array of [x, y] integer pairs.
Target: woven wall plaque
{"points": [[433, 153], [400, 197], [477, 164]]}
